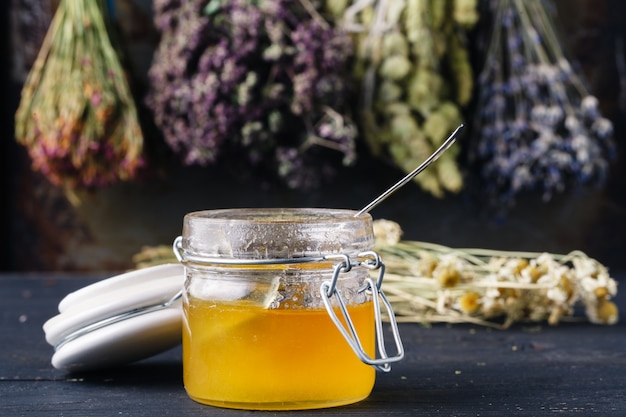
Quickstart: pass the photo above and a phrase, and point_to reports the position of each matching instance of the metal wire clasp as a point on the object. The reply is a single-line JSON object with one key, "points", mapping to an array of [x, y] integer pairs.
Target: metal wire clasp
{"points": [[328, 289]]}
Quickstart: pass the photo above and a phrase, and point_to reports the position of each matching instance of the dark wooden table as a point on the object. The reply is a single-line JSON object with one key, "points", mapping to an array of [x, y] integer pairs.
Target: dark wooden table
{"points": [[449, 370]]}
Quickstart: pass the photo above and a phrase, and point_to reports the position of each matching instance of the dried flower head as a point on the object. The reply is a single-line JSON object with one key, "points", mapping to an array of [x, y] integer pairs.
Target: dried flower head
{"points": [[469, 303], [387, 232]]}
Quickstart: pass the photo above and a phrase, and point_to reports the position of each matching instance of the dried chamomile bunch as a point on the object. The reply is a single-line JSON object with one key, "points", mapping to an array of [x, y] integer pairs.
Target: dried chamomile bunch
{"points": [[537, 126], [426, 282], [413, 65]]}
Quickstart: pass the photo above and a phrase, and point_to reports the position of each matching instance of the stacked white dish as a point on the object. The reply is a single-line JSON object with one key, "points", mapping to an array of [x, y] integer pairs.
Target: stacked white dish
{"points": [[118, 320]]}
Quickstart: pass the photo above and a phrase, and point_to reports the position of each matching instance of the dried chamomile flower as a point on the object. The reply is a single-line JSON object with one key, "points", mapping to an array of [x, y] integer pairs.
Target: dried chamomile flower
{"points": [[386, 232], [604, 312], [469, 303], [447, 276]]}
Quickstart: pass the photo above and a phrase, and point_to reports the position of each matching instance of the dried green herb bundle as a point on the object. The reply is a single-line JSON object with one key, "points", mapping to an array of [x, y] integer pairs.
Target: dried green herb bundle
{"points": [[413, 63], [77, 116]]}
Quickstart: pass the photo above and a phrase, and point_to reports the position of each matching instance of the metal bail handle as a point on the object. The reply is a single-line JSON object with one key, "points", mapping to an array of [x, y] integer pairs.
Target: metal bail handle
{"points": [[328, 289], [177, 248]]}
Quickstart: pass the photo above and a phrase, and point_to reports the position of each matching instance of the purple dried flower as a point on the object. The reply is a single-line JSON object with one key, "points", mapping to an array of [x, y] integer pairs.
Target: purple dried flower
{"points": [[538, 127], [251, 80]]}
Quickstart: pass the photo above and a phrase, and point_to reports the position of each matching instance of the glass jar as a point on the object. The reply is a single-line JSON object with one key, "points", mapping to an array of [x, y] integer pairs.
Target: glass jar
{"points": [[275, 316]]}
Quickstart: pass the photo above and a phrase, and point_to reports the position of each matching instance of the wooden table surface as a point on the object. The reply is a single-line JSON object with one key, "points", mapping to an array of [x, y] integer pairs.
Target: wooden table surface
{"points": [[573, 369]]}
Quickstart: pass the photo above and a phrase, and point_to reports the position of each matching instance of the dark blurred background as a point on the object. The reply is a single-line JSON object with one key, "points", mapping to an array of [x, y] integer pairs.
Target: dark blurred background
{"points": [[43, 230]]}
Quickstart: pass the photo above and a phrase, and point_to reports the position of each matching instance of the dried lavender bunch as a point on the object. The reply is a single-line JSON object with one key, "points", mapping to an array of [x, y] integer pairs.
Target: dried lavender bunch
{"points": [[77, 116], [264, 83], [538, 127]]}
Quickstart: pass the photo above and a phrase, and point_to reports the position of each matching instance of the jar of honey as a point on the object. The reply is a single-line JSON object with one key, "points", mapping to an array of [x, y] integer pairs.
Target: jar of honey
{"points": [[281, 308]]}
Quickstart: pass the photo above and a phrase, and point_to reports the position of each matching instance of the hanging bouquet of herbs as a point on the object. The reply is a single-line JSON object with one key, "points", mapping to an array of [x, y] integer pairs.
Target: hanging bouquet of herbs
{"points": [[537, 126], [77, 116], [429, 283], [413, 64], [259, 84]]}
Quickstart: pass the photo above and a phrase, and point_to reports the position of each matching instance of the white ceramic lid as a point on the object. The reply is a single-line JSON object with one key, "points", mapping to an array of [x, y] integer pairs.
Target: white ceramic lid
{"points": [[118, 320]]}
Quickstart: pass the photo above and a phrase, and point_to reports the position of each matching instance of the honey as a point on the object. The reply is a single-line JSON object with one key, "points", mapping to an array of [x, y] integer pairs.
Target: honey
{"points": [[239, 355]]}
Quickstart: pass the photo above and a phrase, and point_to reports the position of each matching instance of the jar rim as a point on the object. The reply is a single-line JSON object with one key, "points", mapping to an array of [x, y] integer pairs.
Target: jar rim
{"points": [[278, 215], [270, 233]]}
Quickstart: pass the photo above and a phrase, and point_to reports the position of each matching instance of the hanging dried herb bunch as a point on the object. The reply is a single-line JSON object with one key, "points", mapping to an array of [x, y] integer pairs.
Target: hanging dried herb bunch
{"points": [[537, 126], [262, 85], [413, 64], [77, 116]]}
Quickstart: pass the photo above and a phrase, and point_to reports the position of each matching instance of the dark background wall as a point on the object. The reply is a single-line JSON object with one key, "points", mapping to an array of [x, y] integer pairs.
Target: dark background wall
{"points": [[5, 127], [43, 230]]}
